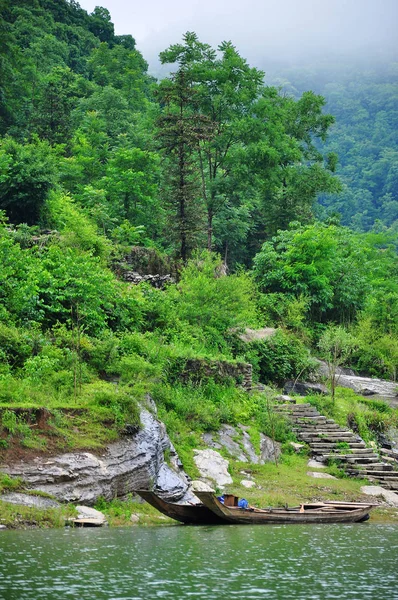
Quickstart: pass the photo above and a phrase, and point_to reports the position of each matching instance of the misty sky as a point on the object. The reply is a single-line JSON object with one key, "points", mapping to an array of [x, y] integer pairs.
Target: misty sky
{"points": [[261, 29]]}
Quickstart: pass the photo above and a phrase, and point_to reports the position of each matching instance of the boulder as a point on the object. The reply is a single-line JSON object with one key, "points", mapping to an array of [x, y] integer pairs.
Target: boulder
{"points": [[365, 386], [238, 443], [303, 388], [200, 486], [296, 446], [213, 467], [90, 514], [269, 449], [247, 483], [376, 490]]}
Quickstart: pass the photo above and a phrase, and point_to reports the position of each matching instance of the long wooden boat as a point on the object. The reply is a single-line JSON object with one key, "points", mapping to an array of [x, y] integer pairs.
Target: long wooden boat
{"points": [[195, 514], [322, 512]]}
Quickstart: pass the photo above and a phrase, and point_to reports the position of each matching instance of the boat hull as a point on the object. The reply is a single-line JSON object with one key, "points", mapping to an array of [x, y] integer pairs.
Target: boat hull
{"points": [[327, 512], [195, 514]]}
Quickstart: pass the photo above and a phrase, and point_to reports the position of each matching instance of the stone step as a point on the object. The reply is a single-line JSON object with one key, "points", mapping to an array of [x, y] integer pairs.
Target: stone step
{"points": [[319, 427], [389, 453], [377, 472], [307, 419], [391, 486], [385, 481], [354, 446], [295, 407], [333, 433], [350, 459], [363, 460], [326, 438]]}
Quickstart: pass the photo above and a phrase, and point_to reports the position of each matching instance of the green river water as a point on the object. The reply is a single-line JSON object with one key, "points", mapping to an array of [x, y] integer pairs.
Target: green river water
{"points": [[355, 562]]}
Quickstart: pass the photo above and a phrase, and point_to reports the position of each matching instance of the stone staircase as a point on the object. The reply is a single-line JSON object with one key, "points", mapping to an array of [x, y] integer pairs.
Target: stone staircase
{"points": [[328, 440]]}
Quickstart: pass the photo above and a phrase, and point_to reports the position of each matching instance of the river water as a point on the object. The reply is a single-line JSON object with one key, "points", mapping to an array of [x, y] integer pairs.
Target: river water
{"points": [[321, 562]]}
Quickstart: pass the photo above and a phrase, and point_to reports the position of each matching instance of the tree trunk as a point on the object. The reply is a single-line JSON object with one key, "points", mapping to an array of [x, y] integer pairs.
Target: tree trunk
{"points": [[209, 230]]}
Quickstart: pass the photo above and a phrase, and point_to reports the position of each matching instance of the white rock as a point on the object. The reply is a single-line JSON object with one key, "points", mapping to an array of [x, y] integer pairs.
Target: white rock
{"points": [[376, 490], [134, 518], [200, 486], [86, 512], [285, 398], [320, 475], [247, 484], [316, 465], [213, 466], [296, 446]]}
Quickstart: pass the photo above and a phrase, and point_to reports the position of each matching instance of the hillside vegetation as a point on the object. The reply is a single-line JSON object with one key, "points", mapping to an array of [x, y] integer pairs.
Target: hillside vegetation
{"points": [[205, 173]]}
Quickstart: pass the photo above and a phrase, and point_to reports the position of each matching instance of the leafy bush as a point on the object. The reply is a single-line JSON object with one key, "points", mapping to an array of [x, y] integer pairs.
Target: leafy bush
{"points": [[280, 357]]}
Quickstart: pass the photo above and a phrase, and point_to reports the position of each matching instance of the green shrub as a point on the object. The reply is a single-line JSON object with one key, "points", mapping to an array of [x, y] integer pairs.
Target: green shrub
{"points": [[280, 357]]}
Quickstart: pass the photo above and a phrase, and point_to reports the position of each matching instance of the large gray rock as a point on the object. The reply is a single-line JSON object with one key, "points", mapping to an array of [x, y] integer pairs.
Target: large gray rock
{"points": [[388, 496], [270, 450], [365, 386], [303, 388], [134, 462], [91, 514]]}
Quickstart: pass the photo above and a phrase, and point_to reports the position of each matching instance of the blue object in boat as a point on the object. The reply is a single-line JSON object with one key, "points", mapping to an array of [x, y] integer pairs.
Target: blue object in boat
{"points": [[221, 499], [242, 503]]}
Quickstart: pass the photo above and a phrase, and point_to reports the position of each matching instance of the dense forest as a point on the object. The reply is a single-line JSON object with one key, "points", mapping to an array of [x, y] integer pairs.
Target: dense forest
{"points": [[362, 96], [207, 172]]}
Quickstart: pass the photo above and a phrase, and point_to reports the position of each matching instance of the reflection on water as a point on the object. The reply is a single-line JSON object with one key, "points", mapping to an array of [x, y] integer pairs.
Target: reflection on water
{"points": [[358, 562]]}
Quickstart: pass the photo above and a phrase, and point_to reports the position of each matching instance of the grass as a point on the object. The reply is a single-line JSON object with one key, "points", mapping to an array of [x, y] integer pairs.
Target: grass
{"points": [[16, 516], [289, 483], [119, 512], [367, 417]]}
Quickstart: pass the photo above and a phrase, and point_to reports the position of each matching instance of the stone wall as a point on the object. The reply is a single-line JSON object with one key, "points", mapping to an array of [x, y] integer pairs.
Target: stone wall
{"points": [[196, 370]]}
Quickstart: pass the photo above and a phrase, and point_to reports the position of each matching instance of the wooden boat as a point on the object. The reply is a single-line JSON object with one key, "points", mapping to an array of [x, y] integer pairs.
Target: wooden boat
{"points": [[195, 514], [322, 512]]}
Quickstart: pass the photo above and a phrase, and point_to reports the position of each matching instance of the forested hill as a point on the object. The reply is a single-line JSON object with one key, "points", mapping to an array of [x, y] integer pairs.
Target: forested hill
{"points": [[210, 176], [362, 95]]}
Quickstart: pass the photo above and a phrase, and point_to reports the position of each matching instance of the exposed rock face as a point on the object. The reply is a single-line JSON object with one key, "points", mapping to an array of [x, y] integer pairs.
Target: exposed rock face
{"points": [[157, 281], [135, 462], [238, 443], [255, 335], [213, 467], [365, 386]]}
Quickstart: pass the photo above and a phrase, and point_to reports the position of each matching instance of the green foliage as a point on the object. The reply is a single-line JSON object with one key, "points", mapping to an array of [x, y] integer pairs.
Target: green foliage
{"points": [[279, 357], [335, 345], [368, 418], [8, 483], [27, 174], [209, 301], [76, 228], [332, 267]]}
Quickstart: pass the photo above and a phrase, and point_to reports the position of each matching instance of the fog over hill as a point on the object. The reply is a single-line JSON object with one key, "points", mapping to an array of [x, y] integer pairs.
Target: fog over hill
{"points": [[288, 31]]}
